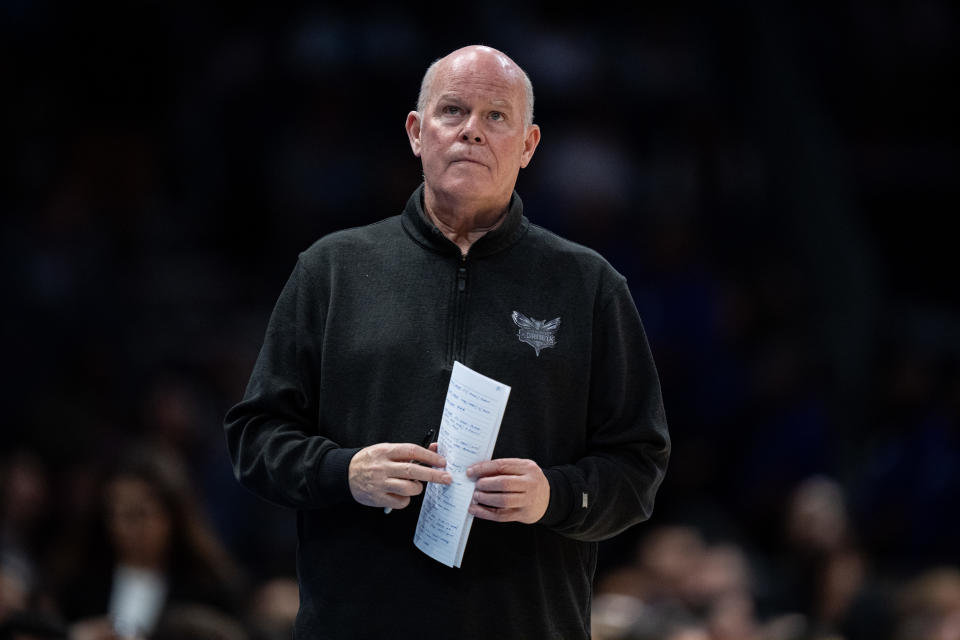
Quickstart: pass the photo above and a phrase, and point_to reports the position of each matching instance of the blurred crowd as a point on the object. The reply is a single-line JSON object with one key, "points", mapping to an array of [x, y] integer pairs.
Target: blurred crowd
{"points": [[818, 583], [126, 552], [772, 182]]}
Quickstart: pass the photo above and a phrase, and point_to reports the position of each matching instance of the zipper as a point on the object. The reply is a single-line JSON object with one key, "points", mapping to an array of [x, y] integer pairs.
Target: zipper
{"points": [[459, 333]]}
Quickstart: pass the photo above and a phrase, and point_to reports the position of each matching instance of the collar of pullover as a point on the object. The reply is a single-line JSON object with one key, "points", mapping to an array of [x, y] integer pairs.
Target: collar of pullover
{"points": [[421, 228]]}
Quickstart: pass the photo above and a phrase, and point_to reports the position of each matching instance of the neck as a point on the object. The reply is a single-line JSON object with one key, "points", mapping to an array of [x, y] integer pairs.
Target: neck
{"points": [[462, 224]]}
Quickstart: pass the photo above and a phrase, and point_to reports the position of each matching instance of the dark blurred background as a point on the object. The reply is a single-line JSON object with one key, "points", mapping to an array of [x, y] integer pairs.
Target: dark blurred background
{"points": [[775, 182]]}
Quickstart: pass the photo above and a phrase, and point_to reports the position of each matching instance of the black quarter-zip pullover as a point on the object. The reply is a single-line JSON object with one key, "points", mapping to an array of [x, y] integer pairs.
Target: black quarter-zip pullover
{"points": [[359, 350]]}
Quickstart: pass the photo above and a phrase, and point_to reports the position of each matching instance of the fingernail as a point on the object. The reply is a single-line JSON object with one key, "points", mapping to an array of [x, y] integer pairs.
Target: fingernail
{"points": [[469, 472], [447, 478]]}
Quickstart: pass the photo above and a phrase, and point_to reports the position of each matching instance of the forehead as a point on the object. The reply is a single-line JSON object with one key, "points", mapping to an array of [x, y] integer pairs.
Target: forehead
{"points": [[489, 77]]}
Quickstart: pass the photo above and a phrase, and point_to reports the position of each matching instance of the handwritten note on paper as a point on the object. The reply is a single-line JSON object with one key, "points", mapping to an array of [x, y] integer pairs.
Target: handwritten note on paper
{"points": [[469, 426]]}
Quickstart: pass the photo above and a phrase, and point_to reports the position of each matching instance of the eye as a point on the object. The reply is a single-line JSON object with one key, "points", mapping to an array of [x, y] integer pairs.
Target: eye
{"points": [[496, 115], [451, 109]]}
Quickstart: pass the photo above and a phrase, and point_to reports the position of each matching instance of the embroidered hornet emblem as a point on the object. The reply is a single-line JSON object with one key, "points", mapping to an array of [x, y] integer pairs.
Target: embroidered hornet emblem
{"points": [[539, 334]]}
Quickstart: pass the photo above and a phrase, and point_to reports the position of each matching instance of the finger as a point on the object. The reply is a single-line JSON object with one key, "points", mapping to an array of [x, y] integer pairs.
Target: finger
{"points": [[497, 515], [500, 500], [402, 487], [502, 483], [500, 466], [434, 446], [394, 501], [408, 451], [414, 471]]}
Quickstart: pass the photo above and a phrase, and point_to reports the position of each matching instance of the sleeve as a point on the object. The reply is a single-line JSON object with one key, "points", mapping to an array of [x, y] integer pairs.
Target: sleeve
{"points": [[613, 486], [273, 435]]}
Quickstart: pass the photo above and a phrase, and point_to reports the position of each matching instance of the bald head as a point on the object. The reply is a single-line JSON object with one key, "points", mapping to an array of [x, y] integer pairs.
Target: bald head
{"points": [[473, 54]]}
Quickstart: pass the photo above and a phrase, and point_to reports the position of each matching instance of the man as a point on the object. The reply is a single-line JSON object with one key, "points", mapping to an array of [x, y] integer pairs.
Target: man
{"points": [[355, 366]]}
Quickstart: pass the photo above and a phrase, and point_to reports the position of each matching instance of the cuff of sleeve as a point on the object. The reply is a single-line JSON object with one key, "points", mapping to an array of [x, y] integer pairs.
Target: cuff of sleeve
{"points": [[333, 475], [558, 510]]}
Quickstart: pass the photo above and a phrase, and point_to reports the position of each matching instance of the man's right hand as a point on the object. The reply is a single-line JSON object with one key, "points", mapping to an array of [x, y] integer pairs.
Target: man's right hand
{"points": [[387, 474]]}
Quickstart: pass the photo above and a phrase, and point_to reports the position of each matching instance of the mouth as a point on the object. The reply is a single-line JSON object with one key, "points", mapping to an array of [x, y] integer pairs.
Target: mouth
{"points": [[466, 161]]}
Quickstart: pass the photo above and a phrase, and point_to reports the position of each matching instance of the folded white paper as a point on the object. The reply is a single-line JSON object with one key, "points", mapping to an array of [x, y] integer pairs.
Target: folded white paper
{"points": [[469, 426]]}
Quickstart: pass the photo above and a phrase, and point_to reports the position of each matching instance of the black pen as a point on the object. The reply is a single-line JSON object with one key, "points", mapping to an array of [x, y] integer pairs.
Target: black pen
{"points": [[427, 439]]}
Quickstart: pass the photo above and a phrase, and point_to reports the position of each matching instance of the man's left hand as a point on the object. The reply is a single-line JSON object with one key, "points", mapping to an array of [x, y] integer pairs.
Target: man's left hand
{"points": [[509, 490]]}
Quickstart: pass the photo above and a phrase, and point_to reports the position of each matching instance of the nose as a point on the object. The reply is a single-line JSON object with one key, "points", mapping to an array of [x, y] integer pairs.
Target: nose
{"points": [[471, 131]]}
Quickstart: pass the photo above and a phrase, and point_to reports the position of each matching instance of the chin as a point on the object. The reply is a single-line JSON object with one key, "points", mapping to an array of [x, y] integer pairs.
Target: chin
{"points": [[463, 190]]}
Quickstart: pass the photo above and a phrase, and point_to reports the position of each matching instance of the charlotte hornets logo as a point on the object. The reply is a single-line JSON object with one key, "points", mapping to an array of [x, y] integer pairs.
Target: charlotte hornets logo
{"points": [[539, 334]]}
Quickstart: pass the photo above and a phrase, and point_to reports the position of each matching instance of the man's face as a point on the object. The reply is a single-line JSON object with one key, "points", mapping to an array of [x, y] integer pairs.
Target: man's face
{"points": [[471, 136]]}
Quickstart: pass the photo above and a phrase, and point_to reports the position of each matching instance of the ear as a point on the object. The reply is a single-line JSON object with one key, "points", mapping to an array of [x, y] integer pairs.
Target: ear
{"points": [[413, 132], [530, 143]]}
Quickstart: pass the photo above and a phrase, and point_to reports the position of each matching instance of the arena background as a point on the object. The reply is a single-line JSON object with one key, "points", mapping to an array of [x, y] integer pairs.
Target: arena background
{"points": [[777, 184]]}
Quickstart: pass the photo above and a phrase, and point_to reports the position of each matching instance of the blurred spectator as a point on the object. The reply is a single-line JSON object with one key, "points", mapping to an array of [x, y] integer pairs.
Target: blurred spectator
{"points": [[722, 571], [668, 625], [619, 617], [679, 584], [817, 522], [613, 614], [23, 501], [181, 410], [826, 586], [732, 617], [665, 560], [929, 606], [197, 622], [273, 609], [16, 584], [153, 550], [824, 574], [26, 609]]}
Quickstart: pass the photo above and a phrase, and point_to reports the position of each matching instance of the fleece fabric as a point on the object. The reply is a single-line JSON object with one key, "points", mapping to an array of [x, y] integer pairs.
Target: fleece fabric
{"points": [[359, 350]]}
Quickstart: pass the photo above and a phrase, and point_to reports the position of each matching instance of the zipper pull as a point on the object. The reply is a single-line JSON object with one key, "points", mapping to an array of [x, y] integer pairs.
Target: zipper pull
{"points": [[461, 279]]}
